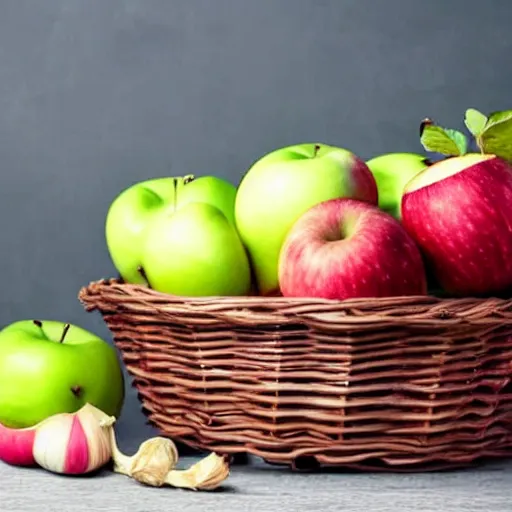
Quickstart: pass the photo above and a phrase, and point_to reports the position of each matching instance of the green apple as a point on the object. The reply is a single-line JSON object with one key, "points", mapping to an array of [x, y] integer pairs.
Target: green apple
{"points": [[137, 207], [48, 367], [196, 251], [391, 172], [283, 185]]}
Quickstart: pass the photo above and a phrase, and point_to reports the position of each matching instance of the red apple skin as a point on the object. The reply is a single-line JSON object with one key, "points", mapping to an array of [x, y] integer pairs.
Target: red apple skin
{"points": [[345, 248], [364, 185], [462, 223]]}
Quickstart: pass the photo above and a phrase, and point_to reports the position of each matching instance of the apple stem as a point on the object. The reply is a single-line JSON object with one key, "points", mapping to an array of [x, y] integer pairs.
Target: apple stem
{"points": [[76, 390], [64, 332], [426, 122], [38, 323], [142, 272], [317, 149]]}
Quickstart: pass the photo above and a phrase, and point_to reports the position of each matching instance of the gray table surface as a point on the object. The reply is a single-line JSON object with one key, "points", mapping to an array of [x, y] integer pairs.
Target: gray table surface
{"points": [[259, 487]]}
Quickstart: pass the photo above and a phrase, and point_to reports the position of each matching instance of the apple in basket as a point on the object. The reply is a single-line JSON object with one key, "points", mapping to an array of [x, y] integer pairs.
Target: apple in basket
{"points": [[345, 248], [284, 184], [179, 236], [459, 212], [48, 367], [391, 172]]}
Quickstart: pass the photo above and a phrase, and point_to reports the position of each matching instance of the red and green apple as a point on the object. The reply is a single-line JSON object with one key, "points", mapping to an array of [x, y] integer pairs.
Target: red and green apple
{"points": [[345, 248], [459, 212], [284, 184]]}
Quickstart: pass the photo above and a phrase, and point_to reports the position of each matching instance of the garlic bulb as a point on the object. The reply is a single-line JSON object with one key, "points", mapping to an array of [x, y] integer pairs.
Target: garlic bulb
{"points": [[74, 443], [68, 443]]}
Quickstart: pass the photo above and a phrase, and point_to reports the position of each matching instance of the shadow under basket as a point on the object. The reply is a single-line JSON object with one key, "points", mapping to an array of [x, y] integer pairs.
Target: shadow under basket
{"points": [[402, 383]]}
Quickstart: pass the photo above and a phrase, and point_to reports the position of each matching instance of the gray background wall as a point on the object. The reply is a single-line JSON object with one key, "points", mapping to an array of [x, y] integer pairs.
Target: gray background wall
{"points": [[98, 94]]}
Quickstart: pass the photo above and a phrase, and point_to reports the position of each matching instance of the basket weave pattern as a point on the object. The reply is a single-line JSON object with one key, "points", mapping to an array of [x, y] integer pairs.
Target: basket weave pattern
{"points": [[397, 382]]}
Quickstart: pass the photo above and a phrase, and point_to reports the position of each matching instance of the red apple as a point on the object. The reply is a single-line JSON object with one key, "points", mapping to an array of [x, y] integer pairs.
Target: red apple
{"points": [[345, 248], [459, 212]]}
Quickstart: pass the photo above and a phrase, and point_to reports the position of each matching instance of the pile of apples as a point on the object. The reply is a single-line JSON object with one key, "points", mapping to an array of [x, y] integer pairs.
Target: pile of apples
{"points": [[314, 220]]}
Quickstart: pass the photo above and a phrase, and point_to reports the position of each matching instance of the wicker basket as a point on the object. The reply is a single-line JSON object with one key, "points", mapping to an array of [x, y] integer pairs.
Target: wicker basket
{"points": [[408, 383]]}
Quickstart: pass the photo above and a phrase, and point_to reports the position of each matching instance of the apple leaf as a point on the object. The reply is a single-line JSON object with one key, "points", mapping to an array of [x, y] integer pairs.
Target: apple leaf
{"points": [[475, 121], [443, 140], [496, 137]]}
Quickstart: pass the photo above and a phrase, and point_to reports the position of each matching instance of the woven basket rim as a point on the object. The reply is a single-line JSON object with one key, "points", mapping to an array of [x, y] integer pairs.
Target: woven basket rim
{"points": [[415, 310], [116, 283]]}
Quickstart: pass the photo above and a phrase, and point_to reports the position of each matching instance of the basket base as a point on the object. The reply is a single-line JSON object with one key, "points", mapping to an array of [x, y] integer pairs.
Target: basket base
{"points": [[312, 465], [242, 455]]}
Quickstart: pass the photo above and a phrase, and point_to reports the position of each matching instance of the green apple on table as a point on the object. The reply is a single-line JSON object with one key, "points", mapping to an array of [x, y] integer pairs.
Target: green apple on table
{"points": [[178, 235], [283, 185], [391, 172], [48, 367]]}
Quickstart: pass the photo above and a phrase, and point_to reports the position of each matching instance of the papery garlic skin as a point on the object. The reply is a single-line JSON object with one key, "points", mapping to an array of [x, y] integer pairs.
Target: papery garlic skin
{"points": [[153, 461], [74, 443], [97, 426]]}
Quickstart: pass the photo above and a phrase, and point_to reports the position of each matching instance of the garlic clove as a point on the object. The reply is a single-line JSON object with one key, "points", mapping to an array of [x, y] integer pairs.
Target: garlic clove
{"points": [[96, 426], [150, 464], [154, 459], [205, 475], [154, 462], [74, 443]]}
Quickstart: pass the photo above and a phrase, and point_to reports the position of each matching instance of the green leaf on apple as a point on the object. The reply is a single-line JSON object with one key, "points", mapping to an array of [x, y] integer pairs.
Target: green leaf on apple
{"points": [[496, 137], [444, 141], [475, 121]]}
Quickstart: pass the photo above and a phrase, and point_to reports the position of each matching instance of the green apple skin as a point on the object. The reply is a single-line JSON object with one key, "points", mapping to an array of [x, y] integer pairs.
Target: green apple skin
{"points": [[196, 251], [211, 190], [41, 376], [137, 207], [283, 185], [392, 172]]}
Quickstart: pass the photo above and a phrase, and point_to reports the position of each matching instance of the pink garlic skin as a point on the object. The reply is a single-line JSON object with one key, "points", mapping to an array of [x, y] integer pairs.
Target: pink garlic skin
{"points": [[77, 453], [16, 446]]}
